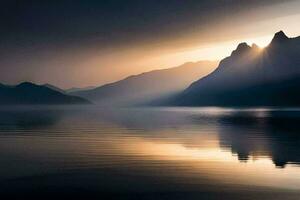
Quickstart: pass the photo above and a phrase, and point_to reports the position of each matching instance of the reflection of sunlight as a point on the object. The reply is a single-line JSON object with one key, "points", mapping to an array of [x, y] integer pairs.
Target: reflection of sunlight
{"points": [[217, 164], [193, 156], [188, 152], [180, 152]]}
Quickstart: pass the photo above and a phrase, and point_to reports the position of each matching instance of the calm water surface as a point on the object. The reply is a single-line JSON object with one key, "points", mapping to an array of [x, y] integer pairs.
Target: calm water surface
{"points": [[149, 153]]}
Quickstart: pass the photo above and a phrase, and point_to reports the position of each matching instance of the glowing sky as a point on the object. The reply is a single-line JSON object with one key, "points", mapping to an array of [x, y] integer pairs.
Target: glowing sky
{"points": [[94, 42]]}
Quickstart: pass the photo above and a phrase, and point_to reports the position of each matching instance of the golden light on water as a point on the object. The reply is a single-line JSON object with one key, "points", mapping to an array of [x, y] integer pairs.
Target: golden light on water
{"points": [[194, 156], [258, 170], [197, 157]]}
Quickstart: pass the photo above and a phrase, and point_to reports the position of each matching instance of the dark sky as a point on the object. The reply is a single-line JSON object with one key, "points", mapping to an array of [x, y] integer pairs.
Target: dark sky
{"points": [[110, 22], [34, 32]]}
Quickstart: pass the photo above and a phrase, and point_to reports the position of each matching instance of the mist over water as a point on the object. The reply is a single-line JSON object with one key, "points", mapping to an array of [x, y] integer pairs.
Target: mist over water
{"points": [[150, 153]]}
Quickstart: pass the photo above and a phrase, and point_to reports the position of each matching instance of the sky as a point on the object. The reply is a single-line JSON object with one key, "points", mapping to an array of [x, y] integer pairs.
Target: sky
{"points": [[83, 43]]}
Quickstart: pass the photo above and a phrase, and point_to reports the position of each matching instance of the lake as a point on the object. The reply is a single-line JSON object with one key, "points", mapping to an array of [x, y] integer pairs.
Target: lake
{"points": [[149, 153]]}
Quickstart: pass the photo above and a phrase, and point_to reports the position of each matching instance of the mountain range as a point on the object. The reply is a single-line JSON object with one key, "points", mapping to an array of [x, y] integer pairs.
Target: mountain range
{"points": [[149, 86], [251, 76], [28, 93], [78, 89]]}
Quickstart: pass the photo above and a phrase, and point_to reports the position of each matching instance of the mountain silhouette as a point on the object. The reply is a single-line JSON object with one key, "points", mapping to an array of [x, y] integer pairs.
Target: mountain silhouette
{"points": [[77, 89], [32, 94], [145, 87], [251, 76], [52, 87]]}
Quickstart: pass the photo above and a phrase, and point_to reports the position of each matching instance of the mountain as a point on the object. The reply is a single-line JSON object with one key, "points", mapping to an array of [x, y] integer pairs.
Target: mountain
{"points": [[73, 89], [76, 89], [251, 76], [148, 86], [52, 87], [29, 93]]}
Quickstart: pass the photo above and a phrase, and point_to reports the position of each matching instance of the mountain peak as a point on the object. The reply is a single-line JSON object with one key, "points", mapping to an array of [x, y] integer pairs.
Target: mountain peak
{"points": [[279, 37], [242, 45], [26, 84], [241, 49]]}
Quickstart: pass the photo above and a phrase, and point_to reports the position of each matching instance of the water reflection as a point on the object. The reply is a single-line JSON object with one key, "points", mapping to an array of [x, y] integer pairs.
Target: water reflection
{"points": [[28, 119], [273, 134], [172, 152]]}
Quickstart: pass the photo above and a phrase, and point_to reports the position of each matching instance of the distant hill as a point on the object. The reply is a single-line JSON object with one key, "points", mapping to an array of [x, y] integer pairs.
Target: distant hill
{"points": [[76, 89], [29, 93], [146, 87], [70, 90], [251, 76], [54, 88]]}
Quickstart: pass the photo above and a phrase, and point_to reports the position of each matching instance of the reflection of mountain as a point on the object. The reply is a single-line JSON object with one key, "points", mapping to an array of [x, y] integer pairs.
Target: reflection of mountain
{"points": [[253, 133], [148, 86], [274, 135], [248, 134], [29, 93], [14, 119], [252, 76]]}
